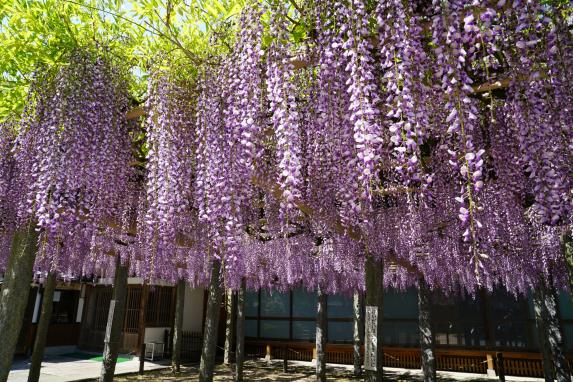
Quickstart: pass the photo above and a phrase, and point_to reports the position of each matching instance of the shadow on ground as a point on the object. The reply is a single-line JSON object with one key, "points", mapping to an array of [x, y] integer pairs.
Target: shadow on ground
{"points": [[258, 370]]}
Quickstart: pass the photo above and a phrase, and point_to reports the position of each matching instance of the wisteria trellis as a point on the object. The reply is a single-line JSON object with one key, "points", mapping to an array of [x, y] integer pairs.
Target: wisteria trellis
{"points": [[380, 145]]}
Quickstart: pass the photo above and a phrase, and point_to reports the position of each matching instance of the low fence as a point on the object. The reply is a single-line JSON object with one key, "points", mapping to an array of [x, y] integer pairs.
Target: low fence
{"points": [[522, 364], [191, 346]]}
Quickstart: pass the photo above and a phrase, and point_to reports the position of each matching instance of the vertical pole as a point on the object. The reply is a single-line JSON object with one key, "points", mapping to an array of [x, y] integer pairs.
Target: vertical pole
{"points": [[15, 291], [142, 312], [285, 359], [543, 334], [42, 330], [240, 353], [230, 307], [115, 322], [321, 336], [178, 327], [426, 332], [358, 333], [373, 353], [207, 366], [142, 358], [500, 366]]}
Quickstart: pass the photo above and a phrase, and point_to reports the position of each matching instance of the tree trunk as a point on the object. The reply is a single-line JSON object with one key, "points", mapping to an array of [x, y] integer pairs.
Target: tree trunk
{"points": [[426, 332], [42, 329], [555, 338], [178, 327], [358, 333], [321, 336], [240, 354], [373, 352], [115, 319], [230, 306], [541, 320], [15, 291], [209, 351]]}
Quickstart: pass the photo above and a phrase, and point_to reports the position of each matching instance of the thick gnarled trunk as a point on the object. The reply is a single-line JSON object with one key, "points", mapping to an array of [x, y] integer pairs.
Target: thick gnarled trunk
{"points": [[178, 327], [321, 336], [555, 335], [115, 319], [426, 332], [42, 329], [541, 319], [208, 353], [373, 352], [15, 292]]}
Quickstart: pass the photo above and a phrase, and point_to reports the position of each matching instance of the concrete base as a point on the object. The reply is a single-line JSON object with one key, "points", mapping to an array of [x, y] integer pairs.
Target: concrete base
{"points": [[491, 373]]}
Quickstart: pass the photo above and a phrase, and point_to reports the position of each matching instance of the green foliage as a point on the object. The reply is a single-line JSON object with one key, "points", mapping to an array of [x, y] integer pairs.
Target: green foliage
{"points": [[173, 35]]}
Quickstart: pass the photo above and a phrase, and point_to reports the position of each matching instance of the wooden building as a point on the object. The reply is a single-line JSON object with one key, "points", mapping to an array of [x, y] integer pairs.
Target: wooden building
{"points": [[80, 313], [469, 330]]}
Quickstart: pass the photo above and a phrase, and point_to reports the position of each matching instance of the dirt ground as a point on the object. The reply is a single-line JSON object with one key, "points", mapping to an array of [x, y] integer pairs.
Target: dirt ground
{"points": [[262, 371]]}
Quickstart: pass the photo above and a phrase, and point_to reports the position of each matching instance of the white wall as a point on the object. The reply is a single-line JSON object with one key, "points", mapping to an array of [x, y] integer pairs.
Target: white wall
{"points": [[193, 310], [155, 334]]}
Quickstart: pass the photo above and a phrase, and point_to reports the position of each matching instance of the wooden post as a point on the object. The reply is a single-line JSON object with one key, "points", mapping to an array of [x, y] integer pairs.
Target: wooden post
{"points": [[42, 330], [142, 312], [285, 359], [373, 353], [141, 358], [321, 336], [500, 367], [230, 308], [269, 354], [490, 365], [240, 353], [15, 293], [543, 334], [115, 322], [207, 366], [426, 332], [178, 327], [358, 333]]}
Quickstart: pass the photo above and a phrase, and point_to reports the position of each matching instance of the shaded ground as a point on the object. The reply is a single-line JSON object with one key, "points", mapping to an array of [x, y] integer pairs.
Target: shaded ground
{"points": [[260, 370]]}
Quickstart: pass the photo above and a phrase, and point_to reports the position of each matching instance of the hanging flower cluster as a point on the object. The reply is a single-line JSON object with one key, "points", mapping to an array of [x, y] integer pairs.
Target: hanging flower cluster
{"points": [[170, 132], [281, 94], [364, 98], [72, 155]]}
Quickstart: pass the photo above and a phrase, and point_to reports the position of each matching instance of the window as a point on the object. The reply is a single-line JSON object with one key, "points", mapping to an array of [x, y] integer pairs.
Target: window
{"points": [[303, 303], [340, 331], [304, 330], [512, 325], [401, 305], [64, 308], [458, 320], [252, 304], [340, 306], [102, 300], [400, 333], [275, 329], [159, 306], [251, 328], [275, 304], [132, 307]]}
